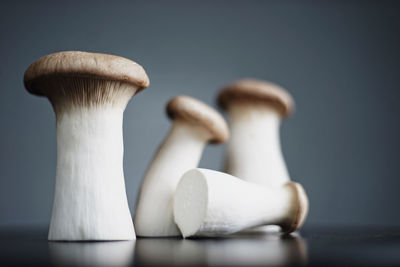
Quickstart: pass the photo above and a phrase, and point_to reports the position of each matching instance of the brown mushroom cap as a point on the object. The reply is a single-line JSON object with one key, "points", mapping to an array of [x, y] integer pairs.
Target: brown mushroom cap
{"points": [[199, 113], [86, 65], [251, 90]]}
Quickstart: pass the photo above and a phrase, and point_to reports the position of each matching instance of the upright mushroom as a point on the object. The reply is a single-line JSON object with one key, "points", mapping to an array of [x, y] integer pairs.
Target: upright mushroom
{"points": [[211, 203], [194, 124], [89, 93], [255, 109]]}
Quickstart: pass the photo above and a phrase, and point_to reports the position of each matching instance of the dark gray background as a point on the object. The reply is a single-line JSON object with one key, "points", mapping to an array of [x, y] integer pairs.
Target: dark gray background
{"points": [[340, 60]]}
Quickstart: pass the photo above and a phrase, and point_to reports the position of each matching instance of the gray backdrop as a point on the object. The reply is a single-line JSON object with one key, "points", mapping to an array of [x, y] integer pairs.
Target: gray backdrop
{"points": [[340, 60]]}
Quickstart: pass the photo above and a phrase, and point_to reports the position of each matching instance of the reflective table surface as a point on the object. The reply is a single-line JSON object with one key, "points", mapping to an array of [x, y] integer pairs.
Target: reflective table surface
{"points": [[314, 246]]}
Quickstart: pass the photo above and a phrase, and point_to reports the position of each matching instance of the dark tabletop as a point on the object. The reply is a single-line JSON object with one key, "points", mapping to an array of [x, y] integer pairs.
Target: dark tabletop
{"points": [[313, 246]]}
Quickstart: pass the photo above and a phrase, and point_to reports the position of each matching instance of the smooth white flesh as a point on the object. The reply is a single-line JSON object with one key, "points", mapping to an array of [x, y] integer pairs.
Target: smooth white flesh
{"points": [[90, 200], [180, 151], [254, 150], [211, 203]]}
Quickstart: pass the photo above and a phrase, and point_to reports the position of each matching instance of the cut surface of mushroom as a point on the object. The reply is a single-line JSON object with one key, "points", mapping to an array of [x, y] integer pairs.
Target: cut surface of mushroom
{"points": [[194, 125], [89, 93], [211, 203], [255, 110]]}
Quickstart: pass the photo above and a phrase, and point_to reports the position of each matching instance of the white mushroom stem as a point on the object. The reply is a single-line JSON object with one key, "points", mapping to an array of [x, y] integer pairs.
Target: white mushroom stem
{"points": [[254, 150], [211, 203], [180, 151], [90, 199]]}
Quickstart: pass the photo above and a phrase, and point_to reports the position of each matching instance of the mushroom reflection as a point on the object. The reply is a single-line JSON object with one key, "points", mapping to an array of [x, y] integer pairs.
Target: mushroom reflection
{"points": [[239, 249], [173, 252], [271, 249], [87, 254]]}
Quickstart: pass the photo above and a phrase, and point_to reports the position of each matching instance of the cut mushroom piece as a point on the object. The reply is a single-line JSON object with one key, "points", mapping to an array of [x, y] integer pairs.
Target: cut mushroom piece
{"points": [[211, 203], [255, 109], [89, 93], [194, 124]]}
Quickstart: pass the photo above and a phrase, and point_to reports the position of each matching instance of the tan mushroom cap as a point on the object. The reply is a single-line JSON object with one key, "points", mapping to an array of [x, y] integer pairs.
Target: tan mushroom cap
{"points": [[199, 113], [251, 90], [83, 64]]}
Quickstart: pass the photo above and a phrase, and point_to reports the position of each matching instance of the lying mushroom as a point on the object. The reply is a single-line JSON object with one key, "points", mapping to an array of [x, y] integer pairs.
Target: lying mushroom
{"points": [[255, 109], [194, 124], [89, 93], [211, 203]]}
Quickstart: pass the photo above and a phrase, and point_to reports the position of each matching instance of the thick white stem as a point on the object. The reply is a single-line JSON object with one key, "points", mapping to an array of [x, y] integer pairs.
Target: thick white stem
{"points": [[180, 151], [254, 150], [90, 200], [208, 203]]}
